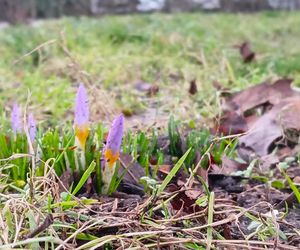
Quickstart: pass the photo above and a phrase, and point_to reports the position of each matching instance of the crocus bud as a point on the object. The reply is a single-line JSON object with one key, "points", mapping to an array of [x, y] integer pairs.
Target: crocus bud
{"points": [[31, 127], [111, 151], [16, 123], [81, 123], [114, 140]]}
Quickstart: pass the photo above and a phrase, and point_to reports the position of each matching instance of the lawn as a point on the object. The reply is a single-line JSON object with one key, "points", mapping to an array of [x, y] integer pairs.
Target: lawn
{"points": [[51, 193], [115, 53]]}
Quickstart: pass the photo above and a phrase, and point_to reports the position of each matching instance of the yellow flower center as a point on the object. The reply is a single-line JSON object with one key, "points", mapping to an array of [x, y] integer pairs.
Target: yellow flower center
{"points": [[110, 157], [82, 133]]}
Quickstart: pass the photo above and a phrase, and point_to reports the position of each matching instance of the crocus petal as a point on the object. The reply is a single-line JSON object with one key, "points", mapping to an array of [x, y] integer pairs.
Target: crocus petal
{"points": [[81, 107], [82, 133], [31, 127], [16, 119], [114, 140], [110, 157]]}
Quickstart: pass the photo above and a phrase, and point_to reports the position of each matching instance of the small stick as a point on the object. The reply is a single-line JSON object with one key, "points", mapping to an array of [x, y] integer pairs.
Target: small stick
{"points": [[288, 200], [47, 222], [35, 49]]}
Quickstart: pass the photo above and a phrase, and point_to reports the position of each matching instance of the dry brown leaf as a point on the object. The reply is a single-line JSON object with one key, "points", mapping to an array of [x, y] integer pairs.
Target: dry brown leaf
{"points": [[272, 126], [132, 173], [278, 105], [232, 123], [268, 161], [262, 135], [230, 166], [262, 94], [149, 89], [246, 52], [185, 199], [193, 87], [65, 179], [290, 120]]}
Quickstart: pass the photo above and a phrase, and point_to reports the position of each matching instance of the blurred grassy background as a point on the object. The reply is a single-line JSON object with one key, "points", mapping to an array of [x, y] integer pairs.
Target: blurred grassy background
{"points": [[113, 53]]}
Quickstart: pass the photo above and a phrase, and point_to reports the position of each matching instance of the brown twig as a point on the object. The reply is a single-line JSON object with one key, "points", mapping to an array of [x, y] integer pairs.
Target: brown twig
{"points": [[46, 223]]}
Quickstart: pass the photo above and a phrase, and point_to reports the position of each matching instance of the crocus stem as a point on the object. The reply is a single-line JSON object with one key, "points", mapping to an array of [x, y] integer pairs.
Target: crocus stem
{"points": [[107, 176], [80, 163], [67, 161], [82, 160], [77, 169]]}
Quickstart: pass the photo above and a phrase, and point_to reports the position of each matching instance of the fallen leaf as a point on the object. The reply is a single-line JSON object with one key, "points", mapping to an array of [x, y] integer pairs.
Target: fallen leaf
{"points": [[266, 113], [282, 153], [230, 166], [66, 179], [224, 176], [149, 89], [153, 90], [227, 235], [224, 92], [193, 87], [290, 121], [153, 160], [231, 123], [268, 161], [127, 112], [217, 85], [185, 199], [262, 135], [231, 184], [142, 86], [164, 170], [296, 180], [271, 127], [131, 173], [262, 94], [246, 52]]}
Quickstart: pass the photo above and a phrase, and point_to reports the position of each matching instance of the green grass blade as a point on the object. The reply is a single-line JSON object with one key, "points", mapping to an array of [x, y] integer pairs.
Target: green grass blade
{"points": [[86, 236], [70, 204], [58, 158], [210, 219], [84, 178], [292, 185], [32, 226], [31, 241], [173, 172]]}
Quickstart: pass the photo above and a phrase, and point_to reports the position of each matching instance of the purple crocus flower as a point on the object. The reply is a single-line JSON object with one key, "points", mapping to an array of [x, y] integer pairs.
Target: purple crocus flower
{"points": [[81, 106], [81, 116], [16, 123], [31, 127], [114, 140]]}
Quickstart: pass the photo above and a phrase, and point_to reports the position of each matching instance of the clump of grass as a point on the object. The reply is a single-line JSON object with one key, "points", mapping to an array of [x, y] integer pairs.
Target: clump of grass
{"points": [[60, 145]]}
